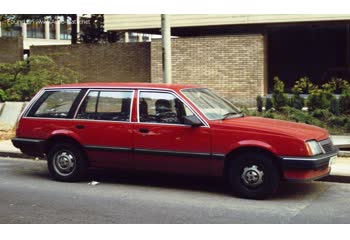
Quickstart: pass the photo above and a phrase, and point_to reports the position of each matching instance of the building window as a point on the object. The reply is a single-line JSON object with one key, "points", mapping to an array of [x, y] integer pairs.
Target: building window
{"points": [[36, 30], [66, 30], [53, 30], [11, 30]]}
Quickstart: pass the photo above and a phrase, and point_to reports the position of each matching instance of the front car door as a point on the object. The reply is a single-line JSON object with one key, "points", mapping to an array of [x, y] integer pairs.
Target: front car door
{"points": [[162, 142]]}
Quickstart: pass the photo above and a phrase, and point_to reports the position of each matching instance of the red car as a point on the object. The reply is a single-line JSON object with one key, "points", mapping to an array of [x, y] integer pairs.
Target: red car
{"points": [[168, 128]]}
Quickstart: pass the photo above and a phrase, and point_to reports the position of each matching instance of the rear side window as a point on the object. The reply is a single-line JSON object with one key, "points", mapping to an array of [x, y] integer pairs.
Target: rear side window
{"points": [[106, 105], [54, 104]]}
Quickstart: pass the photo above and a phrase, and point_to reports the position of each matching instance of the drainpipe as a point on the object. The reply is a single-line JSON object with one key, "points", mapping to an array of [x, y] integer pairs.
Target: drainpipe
{"points": [[166, 48]]}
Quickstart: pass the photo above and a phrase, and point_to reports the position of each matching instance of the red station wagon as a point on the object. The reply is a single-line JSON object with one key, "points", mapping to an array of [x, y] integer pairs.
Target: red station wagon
{"points": [[182, 129]]}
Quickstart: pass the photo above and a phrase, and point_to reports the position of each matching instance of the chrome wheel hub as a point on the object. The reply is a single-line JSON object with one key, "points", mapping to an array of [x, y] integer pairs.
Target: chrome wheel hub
{"points": [[252, 176], [64, 163]]}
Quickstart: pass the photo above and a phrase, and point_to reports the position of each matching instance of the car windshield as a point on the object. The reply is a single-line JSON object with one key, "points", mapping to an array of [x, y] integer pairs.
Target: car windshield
{"points": [[210, 104]]}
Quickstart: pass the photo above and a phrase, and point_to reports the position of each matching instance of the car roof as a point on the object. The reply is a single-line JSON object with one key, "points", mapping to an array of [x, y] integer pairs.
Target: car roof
{"points": [[175, 87]]}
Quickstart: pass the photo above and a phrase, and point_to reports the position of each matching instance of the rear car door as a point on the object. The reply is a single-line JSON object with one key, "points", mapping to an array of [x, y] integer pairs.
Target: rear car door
{"points": [[162, 142], [103, 122]]}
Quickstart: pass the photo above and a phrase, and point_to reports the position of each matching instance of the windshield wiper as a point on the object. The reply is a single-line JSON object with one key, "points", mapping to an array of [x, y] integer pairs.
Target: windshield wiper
{"points": [[236, 114]]}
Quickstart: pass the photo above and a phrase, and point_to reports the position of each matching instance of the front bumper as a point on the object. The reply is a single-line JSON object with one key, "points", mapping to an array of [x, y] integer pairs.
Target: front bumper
{"points": [[307, 168]]}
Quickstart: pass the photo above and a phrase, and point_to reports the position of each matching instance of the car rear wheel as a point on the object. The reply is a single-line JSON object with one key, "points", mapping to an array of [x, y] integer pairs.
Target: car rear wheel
{"points": [[66, 162], [253, 176]]}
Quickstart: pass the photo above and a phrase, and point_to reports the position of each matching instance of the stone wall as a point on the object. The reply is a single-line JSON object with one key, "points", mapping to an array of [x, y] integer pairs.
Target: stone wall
{"points": [[121, 62], [11, 49]]}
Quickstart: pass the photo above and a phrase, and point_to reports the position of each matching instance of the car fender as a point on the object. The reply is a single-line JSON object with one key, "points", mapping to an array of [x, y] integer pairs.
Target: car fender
{"points": [[252, 143], [65, 133]]}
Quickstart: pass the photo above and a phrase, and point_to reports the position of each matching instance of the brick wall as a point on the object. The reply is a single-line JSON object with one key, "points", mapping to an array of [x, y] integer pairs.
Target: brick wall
{"points": [[231, 65], [11, 49], [121, 62]]}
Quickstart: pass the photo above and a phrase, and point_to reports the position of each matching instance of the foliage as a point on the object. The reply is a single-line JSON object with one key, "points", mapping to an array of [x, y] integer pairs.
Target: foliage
{"points": [[268, 104], [321, 114], [259, 103], [21, 80], [337, 121], [336, 85], [303, 86], [297, 115], [319, 99], [334, 108], [344, 102], [94, 31], [279, 99], [297, 101], [2, 95]]}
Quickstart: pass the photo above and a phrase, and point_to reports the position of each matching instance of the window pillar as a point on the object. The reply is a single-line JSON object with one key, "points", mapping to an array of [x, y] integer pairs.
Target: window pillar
{"points": [[24, 30], [47, 29], [126, 37], [58, 29], [139, 37]]}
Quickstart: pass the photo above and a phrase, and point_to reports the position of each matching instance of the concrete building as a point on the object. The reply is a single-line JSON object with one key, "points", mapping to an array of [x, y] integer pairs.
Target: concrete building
{"points": [[39, 32], [240, 54]]}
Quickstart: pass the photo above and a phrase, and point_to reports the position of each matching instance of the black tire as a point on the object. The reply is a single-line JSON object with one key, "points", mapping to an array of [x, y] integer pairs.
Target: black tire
{"points": [[253, 176], [66, 162]]}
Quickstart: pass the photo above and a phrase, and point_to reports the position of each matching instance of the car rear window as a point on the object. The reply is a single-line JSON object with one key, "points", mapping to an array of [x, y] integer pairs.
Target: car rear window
{"points": [[54, 104], [106, 105]]}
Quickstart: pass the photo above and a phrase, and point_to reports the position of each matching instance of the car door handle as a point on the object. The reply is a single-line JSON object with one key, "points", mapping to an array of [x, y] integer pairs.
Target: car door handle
{"points": [[80, 126], [144, 130]]}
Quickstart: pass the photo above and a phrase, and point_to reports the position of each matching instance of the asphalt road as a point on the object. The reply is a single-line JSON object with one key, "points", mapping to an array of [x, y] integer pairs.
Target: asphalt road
{"points": [[28, 195]]}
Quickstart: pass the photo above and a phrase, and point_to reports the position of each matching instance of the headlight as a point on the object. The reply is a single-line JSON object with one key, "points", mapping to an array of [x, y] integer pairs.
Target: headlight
{"points": [[314, 148]]}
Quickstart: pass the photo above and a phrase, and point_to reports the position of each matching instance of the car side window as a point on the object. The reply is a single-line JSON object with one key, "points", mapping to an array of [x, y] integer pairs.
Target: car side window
{"points": [[54, 104], [106, 105], [160, 107]]}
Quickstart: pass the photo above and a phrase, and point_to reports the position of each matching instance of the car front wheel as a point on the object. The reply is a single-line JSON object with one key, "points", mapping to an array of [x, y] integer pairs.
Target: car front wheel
{"points": [[66, 163], [253, 176]]}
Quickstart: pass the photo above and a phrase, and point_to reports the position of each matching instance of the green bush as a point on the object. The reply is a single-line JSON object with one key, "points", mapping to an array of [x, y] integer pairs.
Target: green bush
{"points": [[20, 81], [279, 99], [334, 108], [321, 114], [297, 101], [336, 85], [269, 114], [318, 99], [344, 102], [2, 95], [302, 117], [304, 85], [347, 127], [259, 103], [337, 121], [268, 104]]}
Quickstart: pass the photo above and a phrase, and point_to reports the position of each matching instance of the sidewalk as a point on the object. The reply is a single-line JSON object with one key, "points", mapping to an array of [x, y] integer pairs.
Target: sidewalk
{"points": [[340, 169]]}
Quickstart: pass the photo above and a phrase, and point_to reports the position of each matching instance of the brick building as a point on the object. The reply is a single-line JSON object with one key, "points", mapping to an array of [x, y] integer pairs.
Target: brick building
{"points": [[239, 55]]}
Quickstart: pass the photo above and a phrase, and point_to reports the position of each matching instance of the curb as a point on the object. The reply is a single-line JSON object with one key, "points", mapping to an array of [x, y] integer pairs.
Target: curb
{"points": [[344, 154], [335, 178], [14, 155]]}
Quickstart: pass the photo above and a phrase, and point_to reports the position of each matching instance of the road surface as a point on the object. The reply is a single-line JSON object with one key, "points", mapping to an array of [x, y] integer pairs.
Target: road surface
{"points": [[28, 195]]}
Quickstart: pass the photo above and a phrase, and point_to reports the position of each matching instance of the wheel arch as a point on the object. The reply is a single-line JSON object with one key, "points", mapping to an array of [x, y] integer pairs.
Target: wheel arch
{"points": [[251, 149], [61, 138]]}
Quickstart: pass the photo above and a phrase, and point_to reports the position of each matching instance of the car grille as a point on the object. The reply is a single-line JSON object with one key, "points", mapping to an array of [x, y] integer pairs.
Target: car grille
{"points": [[327, 145]]}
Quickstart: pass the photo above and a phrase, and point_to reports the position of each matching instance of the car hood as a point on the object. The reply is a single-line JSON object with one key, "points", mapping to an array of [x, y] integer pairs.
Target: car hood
{"points": [[280, 127]]}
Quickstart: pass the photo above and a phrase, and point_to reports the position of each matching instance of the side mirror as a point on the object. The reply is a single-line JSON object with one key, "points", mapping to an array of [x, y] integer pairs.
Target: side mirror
{"points": [[192, 121]]}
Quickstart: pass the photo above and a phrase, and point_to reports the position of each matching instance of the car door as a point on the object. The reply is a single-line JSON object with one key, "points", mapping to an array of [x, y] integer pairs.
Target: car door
{"points": [[162, 142], [103, 123]]}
